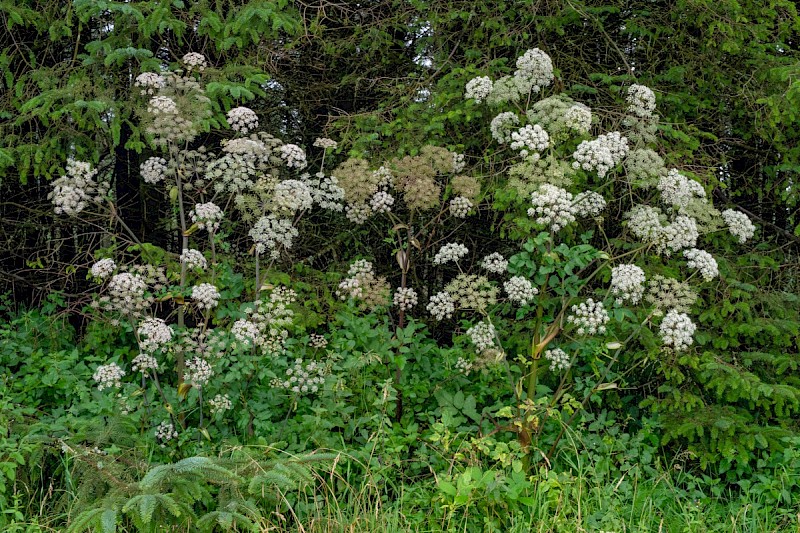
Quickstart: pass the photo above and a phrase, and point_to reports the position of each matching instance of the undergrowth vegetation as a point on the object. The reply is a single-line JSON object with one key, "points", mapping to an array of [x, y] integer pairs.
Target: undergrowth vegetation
{"points": [[562, 332]]}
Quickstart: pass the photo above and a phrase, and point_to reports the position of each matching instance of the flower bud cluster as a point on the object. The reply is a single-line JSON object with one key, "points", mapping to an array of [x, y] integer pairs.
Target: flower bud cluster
{"points": [[450, 252], [459, 207], [677, 330], [381, 202], [108, 376], [482, 335], [520, 290], [315, 340], [478, 89], [590, 317], [441, 305], [627, 283]]}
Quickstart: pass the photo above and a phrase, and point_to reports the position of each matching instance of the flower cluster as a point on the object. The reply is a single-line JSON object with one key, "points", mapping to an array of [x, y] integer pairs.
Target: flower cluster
{"points": [[154, 334], [578, 118], [503, 125], [108, 376], [495, 263], [536, 69], [144, 362], [588, 204], [193, 259], [627, 283], [242, 119], [678, 190], [641, 101], [291, 196], [165, 432], [559, 360], [669, 294], [601, 154], [459, 207], [205, 295], [441, 305], [103, 268], [482, 335], [126, 294], [325, 143], [364, 286], [470, 291], [77, 189], [520, 290], [315, 340], [405, 298], [267, 322], [193, 60], [294, 156], [478, 89], [304, 378], [149, 82], [220, 403], [450, 252], [702, 261], [552, 206], [198, 372], [739, 225], [530, 139], [153, 170], [271, 233], [677, 330], [207, 216], [590, 317], [381, 202]]}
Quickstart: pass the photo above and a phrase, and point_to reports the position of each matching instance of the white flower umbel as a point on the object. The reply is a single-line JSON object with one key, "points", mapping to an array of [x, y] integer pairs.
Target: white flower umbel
{"points": [[315, 340], [627, 283], [678, 190], [245, 332], [144, 363], [644, 222], [207, 216], [559, 360], [702, 261], [478, 89], [459, 162], [676, 330], [482, 335], [149, 82], [271, 234], [534, 70], [681, 233], [108, 376], [739, 225], [291, 196], [459, 207], [73, 192], [617, 145], [358, 213], [578, 118], [641, 101], [154, 334], [193, 259], [588, 204], [495, 263], [153, 170], [590, 317], [405, 298], [162, 105], [441, 305], [304, 378], [103, 268], [520, 290], [450, 252], [601, 154], [326, 192], [552, 206], [503, 125], [193, 61], [205, 295], [198, 372], [381, 202], [165, 432], [127, 292], [530, 139], [242, 119], [293, 155], [325, 143], [220, 403]]}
